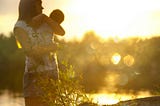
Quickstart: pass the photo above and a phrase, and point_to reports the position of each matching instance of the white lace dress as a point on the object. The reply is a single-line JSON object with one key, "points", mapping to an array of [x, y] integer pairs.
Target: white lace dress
{"points": [[47, 63]]}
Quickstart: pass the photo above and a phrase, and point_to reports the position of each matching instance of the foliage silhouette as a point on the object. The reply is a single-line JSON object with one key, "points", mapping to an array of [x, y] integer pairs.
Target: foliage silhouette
{"points": [[92, 57], [67, 91]]}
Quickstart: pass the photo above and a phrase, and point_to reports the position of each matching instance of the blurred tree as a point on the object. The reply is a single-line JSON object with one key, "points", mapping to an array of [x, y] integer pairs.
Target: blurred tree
{"points": [[11, 64], [92, 56]]}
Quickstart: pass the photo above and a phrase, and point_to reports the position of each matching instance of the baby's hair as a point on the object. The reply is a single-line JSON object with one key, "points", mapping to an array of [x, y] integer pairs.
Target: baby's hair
{"points": [[57, 15]]}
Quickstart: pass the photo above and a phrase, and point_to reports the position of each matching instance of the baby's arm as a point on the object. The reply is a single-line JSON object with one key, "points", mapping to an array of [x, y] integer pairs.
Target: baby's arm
{"points": [[53, 24], [42, 18]]}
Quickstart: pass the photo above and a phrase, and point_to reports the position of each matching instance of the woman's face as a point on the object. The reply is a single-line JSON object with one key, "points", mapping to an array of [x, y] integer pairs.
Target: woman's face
{"points": [[38, 6]]}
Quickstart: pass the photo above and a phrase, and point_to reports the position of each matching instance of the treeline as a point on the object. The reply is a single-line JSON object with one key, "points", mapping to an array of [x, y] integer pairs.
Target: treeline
{"points": [[137, 68], [112, 65], [11, 64]]}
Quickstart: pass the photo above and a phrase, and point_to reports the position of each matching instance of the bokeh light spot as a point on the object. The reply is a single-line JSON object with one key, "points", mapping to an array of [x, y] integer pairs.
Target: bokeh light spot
{"points": [[128, 60], [116, 58]]}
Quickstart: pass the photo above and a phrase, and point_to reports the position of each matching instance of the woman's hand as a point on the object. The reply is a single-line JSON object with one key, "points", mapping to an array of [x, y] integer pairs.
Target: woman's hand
{"points": [[38, 20], [43, 49], [42, 18]]}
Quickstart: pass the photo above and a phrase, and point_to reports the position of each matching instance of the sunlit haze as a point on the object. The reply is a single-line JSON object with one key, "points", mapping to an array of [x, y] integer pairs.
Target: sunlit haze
{"points": [[107, 18], [107, 98]]}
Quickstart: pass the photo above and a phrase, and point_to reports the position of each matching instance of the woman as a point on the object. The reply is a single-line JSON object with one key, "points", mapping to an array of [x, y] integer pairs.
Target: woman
{"points": [[38, 59]]}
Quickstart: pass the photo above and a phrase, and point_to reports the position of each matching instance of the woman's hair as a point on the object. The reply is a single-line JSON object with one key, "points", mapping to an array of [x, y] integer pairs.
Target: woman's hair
{"points": [[27, 9]]}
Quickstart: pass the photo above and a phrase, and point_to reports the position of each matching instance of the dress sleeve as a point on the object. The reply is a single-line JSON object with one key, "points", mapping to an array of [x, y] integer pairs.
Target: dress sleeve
{"points": [[21, 32], [24, 26]]}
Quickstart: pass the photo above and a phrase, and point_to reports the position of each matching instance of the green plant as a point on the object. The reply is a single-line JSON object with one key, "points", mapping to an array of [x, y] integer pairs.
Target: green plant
{"points": [[67, 91]]}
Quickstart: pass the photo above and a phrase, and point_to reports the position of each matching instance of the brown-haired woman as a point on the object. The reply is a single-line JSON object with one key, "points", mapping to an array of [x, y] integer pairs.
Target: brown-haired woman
{"points": [[37, 54]]}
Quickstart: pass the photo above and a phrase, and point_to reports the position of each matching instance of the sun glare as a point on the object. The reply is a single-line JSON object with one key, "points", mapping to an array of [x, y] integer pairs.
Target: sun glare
{"points": [[113, 98], [113, 18], [18, 44], [104, 99], [108, 18], [116, 58]]}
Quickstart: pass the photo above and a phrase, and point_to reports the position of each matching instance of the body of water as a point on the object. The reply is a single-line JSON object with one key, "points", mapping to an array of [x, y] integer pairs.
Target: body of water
{"points": [[9, 99]]}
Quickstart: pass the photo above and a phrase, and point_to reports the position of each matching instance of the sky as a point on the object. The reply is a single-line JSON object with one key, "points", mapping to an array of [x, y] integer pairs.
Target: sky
{"points": [[107, 18]]}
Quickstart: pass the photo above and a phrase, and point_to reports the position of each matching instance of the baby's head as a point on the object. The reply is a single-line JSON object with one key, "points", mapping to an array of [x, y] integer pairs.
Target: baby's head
{"points": [[57, 15]]}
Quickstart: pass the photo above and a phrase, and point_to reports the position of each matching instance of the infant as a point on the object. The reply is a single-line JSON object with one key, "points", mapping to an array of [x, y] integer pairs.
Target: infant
{"points": [[46, 32]]}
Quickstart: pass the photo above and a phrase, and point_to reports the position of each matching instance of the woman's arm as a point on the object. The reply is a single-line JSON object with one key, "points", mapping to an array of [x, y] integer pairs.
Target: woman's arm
{"points": [[37, 21], [55, 26], [42, 18], [22, 37]]}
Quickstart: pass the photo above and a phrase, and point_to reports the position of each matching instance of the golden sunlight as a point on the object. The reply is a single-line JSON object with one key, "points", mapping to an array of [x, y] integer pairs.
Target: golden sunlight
{"points": [[107, 18], [103, 99], [7, 22], [128, 60], [116, 58], [18, 44], [113, 98], [112, 18]]}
